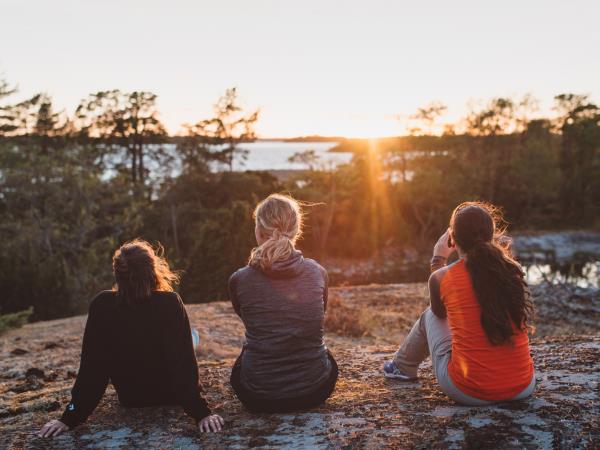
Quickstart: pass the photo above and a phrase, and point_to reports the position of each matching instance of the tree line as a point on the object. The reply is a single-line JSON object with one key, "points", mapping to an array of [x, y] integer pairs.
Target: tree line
{"points": [[73, 187]]}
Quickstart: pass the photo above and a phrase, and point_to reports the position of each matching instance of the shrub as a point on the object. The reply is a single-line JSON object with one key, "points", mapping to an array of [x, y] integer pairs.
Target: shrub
{"points": [[14, 320]]}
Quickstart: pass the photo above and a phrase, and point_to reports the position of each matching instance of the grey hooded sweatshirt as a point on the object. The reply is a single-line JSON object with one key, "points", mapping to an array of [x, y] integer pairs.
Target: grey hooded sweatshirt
{"points": [[283, 310]]}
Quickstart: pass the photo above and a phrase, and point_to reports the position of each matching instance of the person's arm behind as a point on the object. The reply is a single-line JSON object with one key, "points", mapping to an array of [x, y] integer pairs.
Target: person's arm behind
{"points": [[232, 290], [326, 292], [91, 381], [183, 370], [435, 298], [443, 248]]}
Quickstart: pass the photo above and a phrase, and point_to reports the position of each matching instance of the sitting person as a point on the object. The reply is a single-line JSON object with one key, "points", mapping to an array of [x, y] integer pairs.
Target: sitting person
{"points": [[476, 328], [137, 336], [281, 297]]}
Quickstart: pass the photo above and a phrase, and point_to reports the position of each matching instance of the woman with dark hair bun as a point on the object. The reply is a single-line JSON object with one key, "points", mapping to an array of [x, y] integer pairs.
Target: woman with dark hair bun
{"points": [[476, 329], [138, 337]]}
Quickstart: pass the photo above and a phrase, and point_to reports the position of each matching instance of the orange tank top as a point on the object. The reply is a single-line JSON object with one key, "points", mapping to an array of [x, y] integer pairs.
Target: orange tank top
{"points": [[478, 368]]}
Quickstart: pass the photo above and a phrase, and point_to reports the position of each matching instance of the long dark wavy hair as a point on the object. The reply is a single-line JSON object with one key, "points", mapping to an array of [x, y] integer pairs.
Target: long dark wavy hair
{"points": [[140, 270], [498, 280]]}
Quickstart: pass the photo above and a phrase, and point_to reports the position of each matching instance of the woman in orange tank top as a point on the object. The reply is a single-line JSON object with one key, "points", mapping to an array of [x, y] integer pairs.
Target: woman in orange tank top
{"points": [[476, 328]]}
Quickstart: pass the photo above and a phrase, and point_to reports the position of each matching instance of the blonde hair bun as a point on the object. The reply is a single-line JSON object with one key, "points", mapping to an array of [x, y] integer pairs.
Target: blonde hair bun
{"points": [[279, 218]]}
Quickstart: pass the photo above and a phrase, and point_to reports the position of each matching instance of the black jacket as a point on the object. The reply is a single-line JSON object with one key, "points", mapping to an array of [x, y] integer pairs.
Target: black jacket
{"points": [[144, 350]]}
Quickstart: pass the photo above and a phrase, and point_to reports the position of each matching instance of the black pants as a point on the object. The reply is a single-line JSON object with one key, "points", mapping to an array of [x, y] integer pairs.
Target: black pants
{"points": [[282, 405]]}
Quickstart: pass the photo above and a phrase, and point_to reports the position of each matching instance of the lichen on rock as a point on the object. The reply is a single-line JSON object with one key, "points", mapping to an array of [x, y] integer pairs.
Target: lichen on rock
{"points": [[366, 410]]}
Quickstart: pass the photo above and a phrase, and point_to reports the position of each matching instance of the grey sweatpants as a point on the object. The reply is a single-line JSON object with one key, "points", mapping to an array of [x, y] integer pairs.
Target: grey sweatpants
{"points": [[431, 335]]}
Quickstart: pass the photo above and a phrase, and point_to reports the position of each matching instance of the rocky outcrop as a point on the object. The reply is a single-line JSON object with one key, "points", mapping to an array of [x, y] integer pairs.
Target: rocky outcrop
{"points": [[39, 362], [557, 247]]}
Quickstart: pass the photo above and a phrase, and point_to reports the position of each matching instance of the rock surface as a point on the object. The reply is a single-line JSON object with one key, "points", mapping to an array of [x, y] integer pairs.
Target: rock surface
{"points": [[560, 246], [39, 362]]}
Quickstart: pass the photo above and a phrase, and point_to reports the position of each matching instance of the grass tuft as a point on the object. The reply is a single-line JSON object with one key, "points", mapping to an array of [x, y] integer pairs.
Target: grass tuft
{"points": [[14, 320]]}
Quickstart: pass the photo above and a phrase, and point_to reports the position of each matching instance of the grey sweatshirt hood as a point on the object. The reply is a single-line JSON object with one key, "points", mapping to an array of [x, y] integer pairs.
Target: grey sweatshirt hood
{"points": [[287, 268]]}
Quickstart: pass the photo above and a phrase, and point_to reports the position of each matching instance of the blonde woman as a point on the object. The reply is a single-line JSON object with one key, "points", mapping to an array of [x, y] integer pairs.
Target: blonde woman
{"points": [[281, 297]]}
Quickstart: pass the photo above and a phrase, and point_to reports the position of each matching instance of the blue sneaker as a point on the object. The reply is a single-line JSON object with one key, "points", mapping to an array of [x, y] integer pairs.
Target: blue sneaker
{"points": [[391, 371]]}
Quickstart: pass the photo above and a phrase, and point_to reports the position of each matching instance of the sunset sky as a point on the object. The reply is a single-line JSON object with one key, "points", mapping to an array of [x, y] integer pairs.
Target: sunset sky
{"points": [[313, 67]]}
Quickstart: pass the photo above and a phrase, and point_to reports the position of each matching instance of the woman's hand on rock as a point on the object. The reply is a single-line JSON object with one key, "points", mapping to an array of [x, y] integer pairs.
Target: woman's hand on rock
{"points": [[52, 428], [211, 424]]}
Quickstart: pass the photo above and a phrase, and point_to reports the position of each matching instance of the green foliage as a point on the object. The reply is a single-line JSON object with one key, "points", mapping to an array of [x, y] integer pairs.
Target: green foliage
{"points": [[60, 224], [222, 243], [73, 189], [227, 129], [579, 157], [205, 222], [14, 320], [403, 191], [126, 124], [308, 158]]}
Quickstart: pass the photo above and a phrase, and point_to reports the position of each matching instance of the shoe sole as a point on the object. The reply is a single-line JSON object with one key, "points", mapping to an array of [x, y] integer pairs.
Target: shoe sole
{"points": [[398, 377]]}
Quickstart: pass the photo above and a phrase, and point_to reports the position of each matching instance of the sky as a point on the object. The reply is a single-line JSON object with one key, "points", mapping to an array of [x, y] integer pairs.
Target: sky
{"points": [[350, 68]]}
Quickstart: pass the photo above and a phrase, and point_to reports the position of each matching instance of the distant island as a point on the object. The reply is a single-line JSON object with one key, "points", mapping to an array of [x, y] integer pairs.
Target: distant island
{"points": [[311, 138]]}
